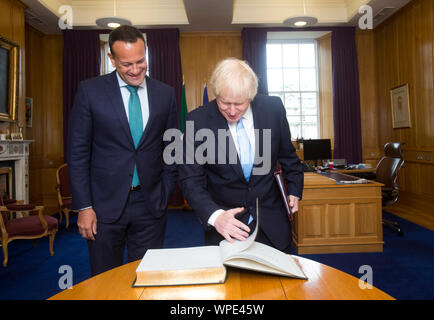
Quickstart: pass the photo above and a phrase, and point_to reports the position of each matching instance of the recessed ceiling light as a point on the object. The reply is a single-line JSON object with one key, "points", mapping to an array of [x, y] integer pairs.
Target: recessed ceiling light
{"points": [[298, 22], [113, 25], [112, 22]]}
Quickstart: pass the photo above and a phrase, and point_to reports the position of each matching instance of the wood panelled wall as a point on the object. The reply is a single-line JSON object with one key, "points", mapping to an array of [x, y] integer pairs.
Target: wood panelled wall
{"points": [[44, 85], [371, 149], [400, 51], [200, 52], [40, 78], [12, 28]]}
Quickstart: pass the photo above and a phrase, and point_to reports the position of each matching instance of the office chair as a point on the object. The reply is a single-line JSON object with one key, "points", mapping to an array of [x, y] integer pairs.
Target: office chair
{"points": [[386, 173]]}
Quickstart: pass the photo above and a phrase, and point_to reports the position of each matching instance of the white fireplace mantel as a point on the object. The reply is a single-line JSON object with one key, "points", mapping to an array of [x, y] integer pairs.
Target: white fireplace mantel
{"points": [[18, 152]]}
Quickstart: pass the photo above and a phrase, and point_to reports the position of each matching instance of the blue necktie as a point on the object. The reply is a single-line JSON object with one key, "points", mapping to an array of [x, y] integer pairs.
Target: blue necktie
{"points": [[136, 124], [245, 150]]}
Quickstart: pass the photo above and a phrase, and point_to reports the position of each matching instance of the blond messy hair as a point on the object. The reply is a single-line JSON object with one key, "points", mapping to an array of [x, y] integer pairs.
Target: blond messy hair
{"points": [[235, 78]]}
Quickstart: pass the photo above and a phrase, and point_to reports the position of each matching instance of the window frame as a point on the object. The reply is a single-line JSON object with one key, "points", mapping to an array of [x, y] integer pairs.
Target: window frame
{"points": [[283, 92]]}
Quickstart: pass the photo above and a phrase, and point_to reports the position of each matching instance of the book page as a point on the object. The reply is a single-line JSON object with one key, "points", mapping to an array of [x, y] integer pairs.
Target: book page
{"points": [[228, 249], [181, 259], [268, 256], [253, 266]]}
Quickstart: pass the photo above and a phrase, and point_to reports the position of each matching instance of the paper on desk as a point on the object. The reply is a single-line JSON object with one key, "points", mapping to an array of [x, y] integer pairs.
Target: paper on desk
{"points": [[352, 181]]}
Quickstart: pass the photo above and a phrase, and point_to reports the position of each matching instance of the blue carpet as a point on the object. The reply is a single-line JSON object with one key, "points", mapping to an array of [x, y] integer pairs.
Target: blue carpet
{"points": [[405, 269]]}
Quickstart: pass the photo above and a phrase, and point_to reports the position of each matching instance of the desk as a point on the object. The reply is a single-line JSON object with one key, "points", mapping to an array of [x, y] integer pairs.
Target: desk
{"points": [[350, 171], [323, 282], [338, 217]]}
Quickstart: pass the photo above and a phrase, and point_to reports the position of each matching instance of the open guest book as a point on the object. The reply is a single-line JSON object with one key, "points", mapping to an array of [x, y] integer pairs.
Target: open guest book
{"points": [[206, 264]]}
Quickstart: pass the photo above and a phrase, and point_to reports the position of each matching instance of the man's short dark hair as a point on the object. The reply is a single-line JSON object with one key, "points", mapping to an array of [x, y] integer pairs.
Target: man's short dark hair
{"points": [[126, 34]]}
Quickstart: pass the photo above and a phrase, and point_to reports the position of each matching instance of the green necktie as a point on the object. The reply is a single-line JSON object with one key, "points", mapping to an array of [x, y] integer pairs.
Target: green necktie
{"points": [[136, 124]]}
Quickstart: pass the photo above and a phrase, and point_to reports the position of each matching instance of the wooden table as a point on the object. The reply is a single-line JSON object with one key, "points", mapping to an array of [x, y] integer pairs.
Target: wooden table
{"points": [[338, 217], [323, 282]]}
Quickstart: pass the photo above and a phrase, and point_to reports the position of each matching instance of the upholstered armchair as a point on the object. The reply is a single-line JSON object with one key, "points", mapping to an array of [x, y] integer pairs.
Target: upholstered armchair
{"points": [[33, 225], [64, 193]]}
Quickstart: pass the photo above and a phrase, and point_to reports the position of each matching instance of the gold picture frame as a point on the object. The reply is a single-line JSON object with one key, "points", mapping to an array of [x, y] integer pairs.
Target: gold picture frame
{"points": [[9, 59], [400, 103]]}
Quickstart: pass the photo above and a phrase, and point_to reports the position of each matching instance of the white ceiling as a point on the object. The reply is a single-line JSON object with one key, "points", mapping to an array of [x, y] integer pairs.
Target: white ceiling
{"points": [[276, 11], [201, 15]]}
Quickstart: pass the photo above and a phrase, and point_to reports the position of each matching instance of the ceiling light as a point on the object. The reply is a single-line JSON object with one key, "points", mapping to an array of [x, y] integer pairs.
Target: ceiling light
{"points": [[302, 21], [112, 22], [298, 22], [113, 25]]}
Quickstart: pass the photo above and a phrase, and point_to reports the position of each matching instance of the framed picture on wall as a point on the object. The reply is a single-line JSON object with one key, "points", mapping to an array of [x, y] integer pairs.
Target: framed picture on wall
{"points": [[9, 52], [400, 107]]}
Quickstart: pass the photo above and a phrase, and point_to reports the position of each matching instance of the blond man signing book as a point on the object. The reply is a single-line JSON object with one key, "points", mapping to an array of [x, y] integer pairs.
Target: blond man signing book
{"points": [[223, 190]]}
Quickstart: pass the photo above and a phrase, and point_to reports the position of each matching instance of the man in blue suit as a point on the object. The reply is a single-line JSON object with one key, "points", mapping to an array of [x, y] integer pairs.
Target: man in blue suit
{"points": [[115, 159], [223, 192]]}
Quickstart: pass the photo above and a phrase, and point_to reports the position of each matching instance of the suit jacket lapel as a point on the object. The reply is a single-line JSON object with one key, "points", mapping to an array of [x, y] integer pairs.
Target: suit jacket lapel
{"points": [[259, 126], [114, 93], [151, 101]]}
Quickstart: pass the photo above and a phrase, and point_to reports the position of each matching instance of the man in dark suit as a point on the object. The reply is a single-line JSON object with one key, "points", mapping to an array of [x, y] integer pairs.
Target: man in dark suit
{"points": [[115, 159], [219, 190]]}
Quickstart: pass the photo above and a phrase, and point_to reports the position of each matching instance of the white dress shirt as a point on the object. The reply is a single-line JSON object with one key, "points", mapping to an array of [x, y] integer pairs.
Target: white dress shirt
{"points": [[247, 120], [143, 96]]}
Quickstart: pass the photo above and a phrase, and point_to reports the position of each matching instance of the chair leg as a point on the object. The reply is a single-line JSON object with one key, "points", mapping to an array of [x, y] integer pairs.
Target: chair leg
{"points": [[35, 243], [5, 253], [393, 225], [51, 238], [60, 215], [67, 218]]}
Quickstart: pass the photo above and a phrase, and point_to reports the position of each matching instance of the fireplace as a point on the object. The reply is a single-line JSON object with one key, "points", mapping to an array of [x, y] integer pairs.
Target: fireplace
{"points": [[14, 168], [6, 185]]}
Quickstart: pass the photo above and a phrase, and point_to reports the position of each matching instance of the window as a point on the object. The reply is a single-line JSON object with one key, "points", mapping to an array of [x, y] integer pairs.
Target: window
{"points": [[106, 65], [292, 74]]}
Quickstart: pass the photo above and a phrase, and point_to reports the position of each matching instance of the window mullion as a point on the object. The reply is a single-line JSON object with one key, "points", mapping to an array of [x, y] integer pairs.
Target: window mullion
{"points": [[299, 90]]}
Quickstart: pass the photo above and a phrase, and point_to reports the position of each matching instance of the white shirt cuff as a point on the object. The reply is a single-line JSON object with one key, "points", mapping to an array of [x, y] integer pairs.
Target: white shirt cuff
{"points": [[214, 216]]}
